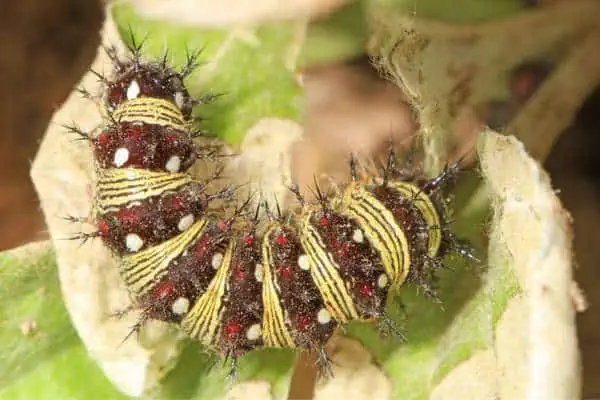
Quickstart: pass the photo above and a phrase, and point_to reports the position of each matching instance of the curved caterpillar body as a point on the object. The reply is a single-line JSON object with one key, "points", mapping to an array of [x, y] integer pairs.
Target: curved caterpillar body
{"points": [[237, 283]]}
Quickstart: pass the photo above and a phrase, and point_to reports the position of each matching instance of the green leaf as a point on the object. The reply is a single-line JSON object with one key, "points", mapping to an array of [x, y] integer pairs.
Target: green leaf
{"points": [[50, 362]]}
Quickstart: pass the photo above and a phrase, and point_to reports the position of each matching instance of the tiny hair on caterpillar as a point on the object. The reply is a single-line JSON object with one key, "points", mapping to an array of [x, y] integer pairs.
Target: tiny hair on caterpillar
{"points": [[245, 276]]}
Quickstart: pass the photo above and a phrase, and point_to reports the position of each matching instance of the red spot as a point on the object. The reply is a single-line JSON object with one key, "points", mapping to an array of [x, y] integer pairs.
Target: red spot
{"points": [[334, 244], [240, 275], [399, 212], [302, 322], [281, 239], [285, 272], [365, 289], [116, 93], [231, 329], [176, 202], [248, 239], [343, 249], [103, 138], [103, 228], [222, 225], [201, 246], [163, 290], [171, 139], [133, 133], [323, 221], [126, 215]]}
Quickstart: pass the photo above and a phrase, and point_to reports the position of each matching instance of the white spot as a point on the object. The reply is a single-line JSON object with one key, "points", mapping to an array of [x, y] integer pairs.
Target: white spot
{"points": [[173, 164], [180, 306], [254, 332], [258, 273], [383, 281], [131, 175], [303, 262], [133, 91], [323, 316], [133, 242], [358, 236], [216, 260], [121, 157], [179, 99], [185, 222]]}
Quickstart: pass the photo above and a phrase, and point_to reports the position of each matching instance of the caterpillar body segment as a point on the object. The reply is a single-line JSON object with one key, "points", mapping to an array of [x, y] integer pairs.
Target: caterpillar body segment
{"points": [[381, 229], [276, 323], [150, 111], [427, 209], [342, 248], [146, 146], [190, 274], [117, 188], [241, 320], [296, 312], [137, 79], [143, 268], [203, 321]]}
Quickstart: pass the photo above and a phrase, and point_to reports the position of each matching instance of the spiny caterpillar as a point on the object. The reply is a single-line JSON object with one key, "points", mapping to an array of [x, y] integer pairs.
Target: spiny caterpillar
{"points": [[240, 282]]}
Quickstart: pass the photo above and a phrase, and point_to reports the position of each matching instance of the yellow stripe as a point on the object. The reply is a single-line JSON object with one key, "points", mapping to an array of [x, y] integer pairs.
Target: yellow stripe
{"points": [[150, 110], [203, 322], [381, 228], [324, 271], [428, 211], [275, 331], [142, 269], [122, 186]]}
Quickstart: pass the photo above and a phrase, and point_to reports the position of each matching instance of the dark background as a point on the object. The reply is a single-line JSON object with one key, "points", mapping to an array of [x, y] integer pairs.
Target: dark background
{"points": [[45, 47]]}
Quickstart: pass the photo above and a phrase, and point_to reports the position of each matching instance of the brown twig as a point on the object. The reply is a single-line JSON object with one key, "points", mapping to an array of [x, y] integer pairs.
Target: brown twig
{"points": [[304, 378]]}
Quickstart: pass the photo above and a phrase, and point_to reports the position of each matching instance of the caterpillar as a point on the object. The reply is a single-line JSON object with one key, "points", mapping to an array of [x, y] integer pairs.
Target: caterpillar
{"points": [[239, 281]]}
